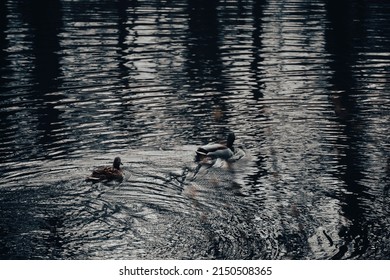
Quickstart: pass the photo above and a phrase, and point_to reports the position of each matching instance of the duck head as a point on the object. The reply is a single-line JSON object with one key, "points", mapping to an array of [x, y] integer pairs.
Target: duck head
{"points": [[117, 163]]}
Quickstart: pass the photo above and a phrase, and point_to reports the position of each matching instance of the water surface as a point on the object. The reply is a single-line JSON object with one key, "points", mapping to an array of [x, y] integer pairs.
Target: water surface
{"points": [[304, 86]]}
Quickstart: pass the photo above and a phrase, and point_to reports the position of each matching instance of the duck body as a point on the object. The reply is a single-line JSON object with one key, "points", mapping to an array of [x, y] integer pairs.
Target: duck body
{"points": [[216, 150], [107, 173]]}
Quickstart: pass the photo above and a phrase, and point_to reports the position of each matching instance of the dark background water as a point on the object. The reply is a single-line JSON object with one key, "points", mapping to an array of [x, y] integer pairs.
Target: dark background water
{"points": [[305, 85]]}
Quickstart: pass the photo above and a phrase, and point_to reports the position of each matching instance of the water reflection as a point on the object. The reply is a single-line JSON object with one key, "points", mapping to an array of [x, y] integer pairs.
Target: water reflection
{"points": [[346, 98], [303, 85], [45, 19]]}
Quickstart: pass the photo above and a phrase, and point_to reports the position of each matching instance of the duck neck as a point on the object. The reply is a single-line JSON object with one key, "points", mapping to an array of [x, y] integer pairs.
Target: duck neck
{"points": [[230, 141]]}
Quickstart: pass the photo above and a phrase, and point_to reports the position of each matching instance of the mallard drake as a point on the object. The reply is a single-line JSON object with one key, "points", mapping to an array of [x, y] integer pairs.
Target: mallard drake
{"points": [[108, 173], [216, 150]]}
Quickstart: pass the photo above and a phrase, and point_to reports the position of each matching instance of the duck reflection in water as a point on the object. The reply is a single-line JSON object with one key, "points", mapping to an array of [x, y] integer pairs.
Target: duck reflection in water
{"points": [[107, 173]]}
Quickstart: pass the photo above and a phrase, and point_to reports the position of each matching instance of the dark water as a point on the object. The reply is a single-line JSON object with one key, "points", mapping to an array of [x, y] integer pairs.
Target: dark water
{"points": [[305, 85]]}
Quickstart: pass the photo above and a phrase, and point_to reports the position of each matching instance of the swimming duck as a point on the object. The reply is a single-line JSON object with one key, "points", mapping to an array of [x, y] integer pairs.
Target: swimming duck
{"points": [[216, 150], [108, 173]]}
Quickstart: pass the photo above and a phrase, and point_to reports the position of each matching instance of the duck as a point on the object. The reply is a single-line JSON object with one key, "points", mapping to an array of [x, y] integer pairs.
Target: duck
{"points": [[216, 150], [107, 173]]}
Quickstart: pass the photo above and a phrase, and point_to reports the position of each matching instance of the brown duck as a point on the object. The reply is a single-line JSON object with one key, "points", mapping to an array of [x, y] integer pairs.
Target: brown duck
{"points": [[107, 173]]}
